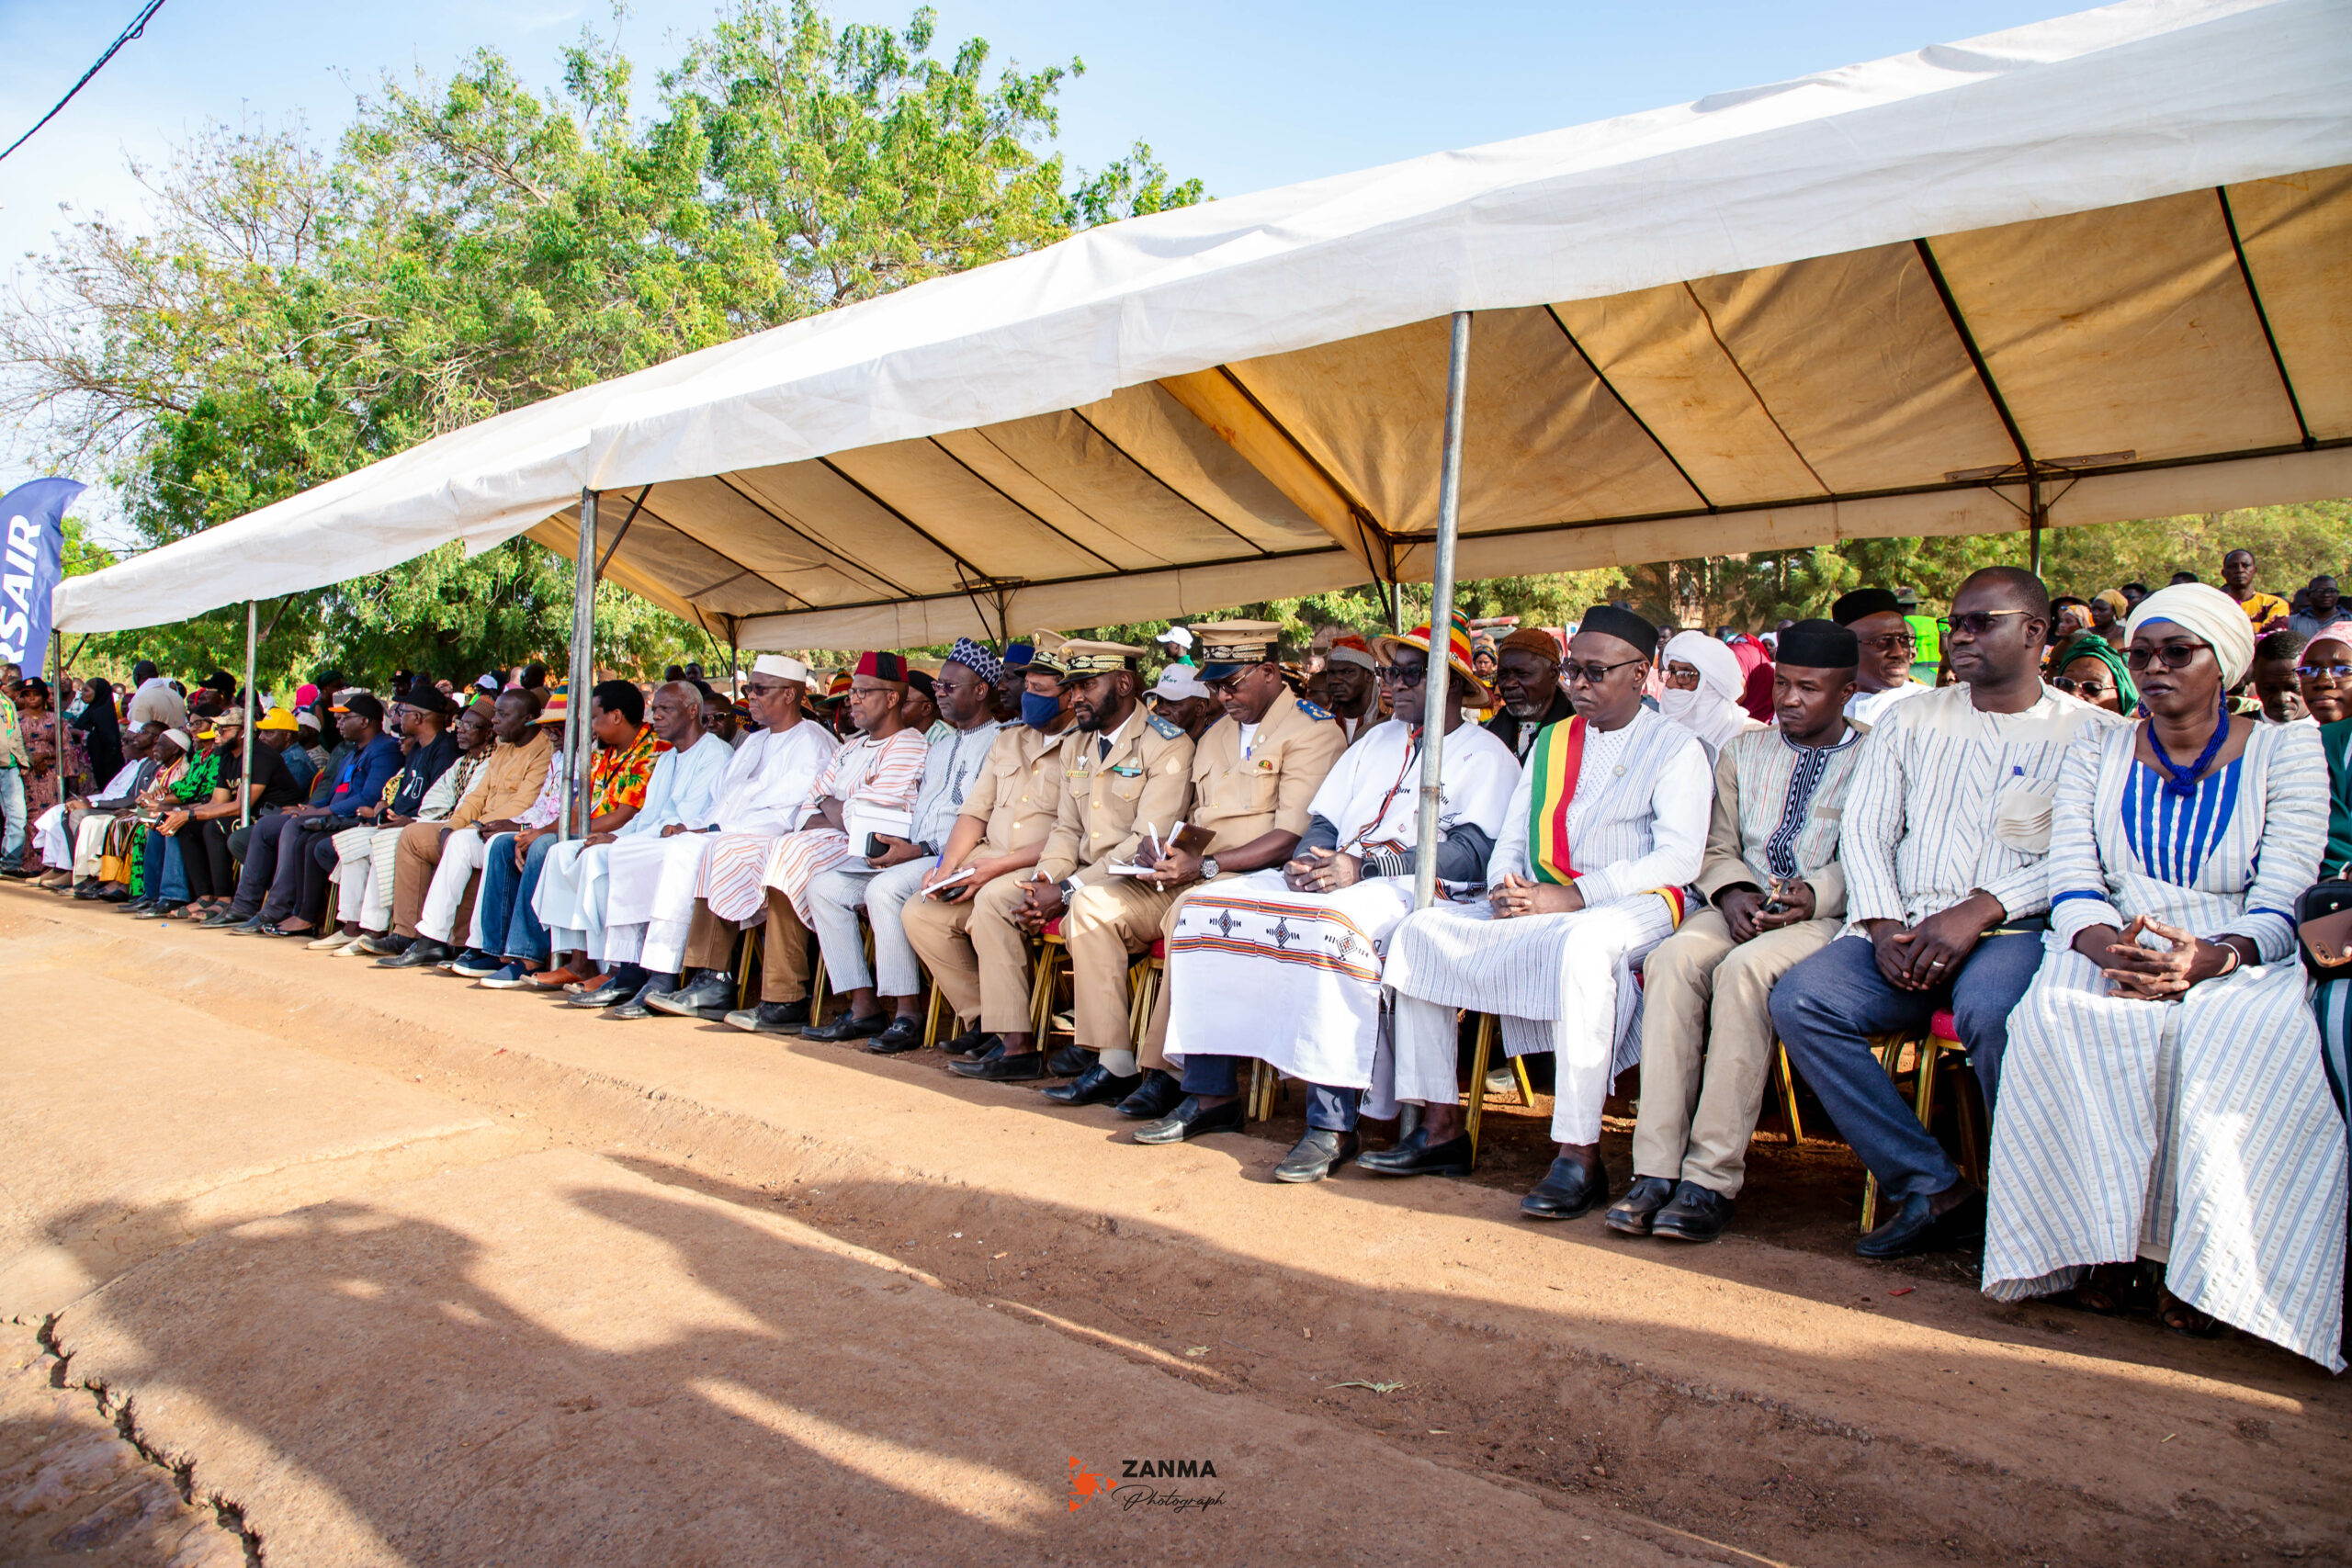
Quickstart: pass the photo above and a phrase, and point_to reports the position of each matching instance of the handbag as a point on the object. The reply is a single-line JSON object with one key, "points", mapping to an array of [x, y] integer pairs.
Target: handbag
{"points": [[2324, 929]]}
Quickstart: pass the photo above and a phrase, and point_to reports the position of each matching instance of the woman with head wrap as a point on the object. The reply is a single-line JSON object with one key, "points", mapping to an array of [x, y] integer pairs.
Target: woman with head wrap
{"points": [[2089, 669], [1704, 685], [2163, 1117], [101, 731]]}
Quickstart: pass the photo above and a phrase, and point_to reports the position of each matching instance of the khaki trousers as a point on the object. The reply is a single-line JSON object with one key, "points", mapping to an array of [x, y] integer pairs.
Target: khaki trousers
{"points": [[784, 948], [414, 863], [977, 957], [1106, 925], [1704, 996]]}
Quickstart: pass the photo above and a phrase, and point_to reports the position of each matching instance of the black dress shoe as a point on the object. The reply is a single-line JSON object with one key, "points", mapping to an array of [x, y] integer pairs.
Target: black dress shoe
{"points": [[971, 1042], [1914, 1229], [249, 926], [87, 893], [769, 1018], [1191, 1119], [712, 998], [1096, 1086], [278, 928], [421, 954], [1317, 1155], [635, 1005], [848, 1026], [225, 918], [158, 911], [1567, 1190], [1416, 1155], [1154, 1098], [1068, 1062], [1027, 1067], [1636, 1212], [903, 1035], [1697, 1213]]}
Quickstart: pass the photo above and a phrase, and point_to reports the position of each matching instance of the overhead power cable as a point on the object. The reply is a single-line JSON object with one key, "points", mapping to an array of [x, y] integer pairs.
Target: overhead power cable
{"points": [[138, 26]]}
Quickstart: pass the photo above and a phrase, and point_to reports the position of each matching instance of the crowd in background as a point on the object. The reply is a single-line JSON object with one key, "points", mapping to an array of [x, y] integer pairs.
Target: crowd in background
{"points": [[2086, 841]]}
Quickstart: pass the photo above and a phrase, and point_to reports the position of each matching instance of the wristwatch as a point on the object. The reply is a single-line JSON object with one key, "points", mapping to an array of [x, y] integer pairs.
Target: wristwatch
{"points": [[1068, 887], [1209, 868]]}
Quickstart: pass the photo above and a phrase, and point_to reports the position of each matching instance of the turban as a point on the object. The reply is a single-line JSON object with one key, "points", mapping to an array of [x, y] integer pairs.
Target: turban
{"points": [[1532, 639], [2207, 614], [1820, 645], [1852, 607], [2114, 600], [976, 658], [1625, 626], [1712, 712], [2090, 645], [1718, 667]]}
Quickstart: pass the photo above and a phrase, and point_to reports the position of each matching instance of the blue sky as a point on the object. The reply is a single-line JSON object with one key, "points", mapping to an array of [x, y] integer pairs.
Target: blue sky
{"points": [[1246, 96]]}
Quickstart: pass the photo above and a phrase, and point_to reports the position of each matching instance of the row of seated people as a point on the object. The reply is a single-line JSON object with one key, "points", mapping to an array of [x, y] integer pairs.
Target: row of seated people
{"points": [[2106, 908]]}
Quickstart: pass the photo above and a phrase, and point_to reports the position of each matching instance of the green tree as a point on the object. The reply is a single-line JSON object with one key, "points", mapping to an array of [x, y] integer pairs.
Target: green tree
{"points": [[472, 246]]}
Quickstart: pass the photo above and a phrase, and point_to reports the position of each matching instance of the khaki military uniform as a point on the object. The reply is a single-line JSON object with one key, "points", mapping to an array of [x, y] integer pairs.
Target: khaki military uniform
{"points": [[1018, 798], [1107, 799], [1241, 799]]}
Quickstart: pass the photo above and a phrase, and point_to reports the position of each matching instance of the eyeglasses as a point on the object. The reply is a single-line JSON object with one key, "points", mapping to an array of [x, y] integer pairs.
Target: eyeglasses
{"points": [[1892, 642], [1682, 680], [2324, 671], [1403, 674], [2173, 655], [1977, 622], [1593, 674], [2089, 688]]}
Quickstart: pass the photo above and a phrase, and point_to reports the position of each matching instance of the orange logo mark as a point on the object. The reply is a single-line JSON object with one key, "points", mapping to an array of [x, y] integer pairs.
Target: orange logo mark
{"points": [[1084, 1484]]}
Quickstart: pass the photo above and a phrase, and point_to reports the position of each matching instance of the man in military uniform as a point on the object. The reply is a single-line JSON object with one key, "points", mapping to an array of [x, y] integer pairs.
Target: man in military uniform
{"points": [[1253, 773], [1006, 817], [1122, 770]]}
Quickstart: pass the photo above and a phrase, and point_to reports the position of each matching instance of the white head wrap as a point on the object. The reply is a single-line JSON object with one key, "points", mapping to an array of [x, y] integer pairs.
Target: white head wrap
{"points": [[781, 666], [1712, 712], [2207, 614]]}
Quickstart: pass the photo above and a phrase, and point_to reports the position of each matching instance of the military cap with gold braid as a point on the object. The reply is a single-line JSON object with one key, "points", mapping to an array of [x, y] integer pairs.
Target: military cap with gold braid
{"points": [[1227, 648], [1084, 661]]}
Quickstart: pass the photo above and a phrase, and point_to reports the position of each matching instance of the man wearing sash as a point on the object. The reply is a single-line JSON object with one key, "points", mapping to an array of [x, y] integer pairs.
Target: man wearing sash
{"points": [[1609, 822], [1286, 966], [1778, 898]]}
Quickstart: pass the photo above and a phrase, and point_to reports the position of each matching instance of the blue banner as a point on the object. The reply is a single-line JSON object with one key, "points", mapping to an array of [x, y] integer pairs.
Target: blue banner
{"points": [[32, 561]]}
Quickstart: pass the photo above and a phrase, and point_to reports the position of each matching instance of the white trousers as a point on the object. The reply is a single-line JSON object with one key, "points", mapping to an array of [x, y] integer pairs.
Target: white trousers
{"points": [[570, 898], [834, 898], [90, 842], [363, 875], [48, 838], [460, 858]]}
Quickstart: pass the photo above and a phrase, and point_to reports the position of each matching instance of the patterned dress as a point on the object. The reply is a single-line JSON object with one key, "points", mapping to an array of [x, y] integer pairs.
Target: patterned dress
{"points": [[2197, 1133]]}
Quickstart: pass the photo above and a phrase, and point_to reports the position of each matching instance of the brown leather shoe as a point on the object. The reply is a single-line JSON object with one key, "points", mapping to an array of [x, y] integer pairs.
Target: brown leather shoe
{"points": [[556, 979]]}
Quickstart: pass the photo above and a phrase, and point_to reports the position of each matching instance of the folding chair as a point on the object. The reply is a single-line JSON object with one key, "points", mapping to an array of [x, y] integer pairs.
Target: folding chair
{"points": [[1926, 1051]]}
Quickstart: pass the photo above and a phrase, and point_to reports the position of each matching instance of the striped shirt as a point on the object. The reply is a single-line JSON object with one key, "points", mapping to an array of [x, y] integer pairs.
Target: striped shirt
{"points": [[1779, 806], [1947, 801], [949, 771], [1638, 820]]}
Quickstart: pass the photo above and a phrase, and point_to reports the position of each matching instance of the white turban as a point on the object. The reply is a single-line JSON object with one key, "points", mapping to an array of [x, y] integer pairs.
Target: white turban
{"points": [[2207, 614], [1712, 712]]}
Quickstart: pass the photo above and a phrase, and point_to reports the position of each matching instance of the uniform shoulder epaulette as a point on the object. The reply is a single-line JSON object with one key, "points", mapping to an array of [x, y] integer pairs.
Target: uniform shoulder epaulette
{"points": [[1163, 728], [1311, 711]]}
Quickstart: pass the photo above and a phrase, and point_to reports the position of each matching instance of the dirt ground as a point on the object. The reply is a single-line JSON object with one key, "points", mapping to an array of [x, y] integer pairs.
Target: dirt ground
{"points": [[379, 1268]]}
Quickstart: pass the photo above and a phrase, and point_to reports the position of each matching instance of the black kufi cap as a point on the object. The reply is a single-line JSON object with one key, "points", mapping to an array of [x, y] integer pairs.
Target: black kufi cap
{"points": [[1820, 645], [1852, 607], [1622, 624]]}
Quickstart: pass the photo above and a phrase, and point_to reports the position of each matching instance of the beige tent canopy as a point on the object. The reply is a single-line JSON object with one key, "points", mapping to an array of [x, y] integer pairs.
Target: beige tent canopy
{"points": [[2097, 268]]}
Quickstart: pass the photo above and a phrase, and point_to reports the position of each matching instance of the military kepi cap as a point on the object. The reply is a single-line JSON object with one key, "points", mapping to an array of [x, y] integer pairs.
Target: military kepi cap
{"points": [[1082, 660], [1227, 648]]}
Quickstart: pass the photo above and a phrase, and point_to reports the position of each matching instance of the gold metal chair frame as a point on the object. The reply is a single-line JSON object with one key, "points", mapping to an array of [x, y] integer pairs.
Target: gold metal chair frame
{"points": [[1927, 1052]]}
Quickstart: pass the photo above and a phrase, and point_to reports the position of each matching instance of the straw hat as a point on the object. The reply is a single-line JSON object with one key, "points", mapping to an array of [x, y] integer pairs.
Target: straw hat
{"points": [[1474, 693]]}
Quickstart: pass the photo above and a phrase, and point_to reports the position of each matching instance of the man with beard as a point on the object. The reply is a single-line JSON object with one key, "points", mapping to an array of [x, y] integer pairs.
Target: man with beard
{"points": [[1527, 669]]}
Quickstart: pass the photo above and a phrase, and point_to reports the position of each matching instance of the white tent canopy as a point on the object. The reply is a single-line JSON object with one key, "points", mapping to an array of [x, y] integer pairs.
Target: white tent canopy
{"points": [[2094, 268]]}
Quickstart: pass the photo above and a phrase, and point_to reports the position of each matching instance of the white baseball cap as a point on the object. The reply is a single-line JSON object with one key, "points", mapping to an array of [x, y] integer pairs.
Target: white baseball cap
{"points": [[1176, 681], [1176, 635]]}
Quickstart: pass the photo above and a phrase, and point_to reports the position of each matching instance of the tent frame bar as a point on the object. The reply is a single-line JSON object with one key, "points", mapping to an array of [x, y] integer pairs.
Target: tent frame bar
{"points": [[583, 666], [1436, 687]]}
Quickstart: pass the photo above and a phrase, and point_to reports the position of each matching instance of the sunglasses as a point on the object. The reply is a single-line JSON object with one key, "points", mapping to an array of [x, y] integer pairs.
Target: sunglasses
{"points": [[1892, 642], [1403, 674], [1682, 680], [2092, 688], [2324, 671], [1593, 674], [2172, 655], [1977, 622]]}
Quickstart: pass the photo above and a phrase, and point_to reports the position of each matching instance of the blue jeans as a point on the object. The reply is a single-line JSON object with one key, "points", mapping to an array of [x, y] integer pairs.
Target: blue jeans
{"points": [[510, 927], [1327, 1110], [12, 806], [1826, 1009], [166, 874]]}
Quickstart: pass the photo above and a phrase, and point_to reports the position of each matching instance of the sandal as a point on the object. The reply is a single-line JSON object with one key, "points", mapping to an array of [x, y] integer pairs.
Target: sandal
{"points": [[2181, 1318], [2110, 1290]]}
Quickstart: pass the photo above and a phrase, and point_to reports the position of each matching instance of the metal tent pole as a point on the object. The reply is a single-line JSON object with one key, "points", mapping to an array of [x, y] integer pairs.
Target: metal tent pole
{"points": [[245, 779], [1438, 688], [58, 724], [575, 713]]}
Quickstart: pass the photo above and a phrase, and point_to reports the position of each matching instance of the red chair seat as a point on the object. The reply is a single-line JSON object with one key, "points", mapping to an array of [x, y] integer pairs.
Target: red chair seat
{"points": [[1159, 948], [1942, 1027], [1052, 927]]}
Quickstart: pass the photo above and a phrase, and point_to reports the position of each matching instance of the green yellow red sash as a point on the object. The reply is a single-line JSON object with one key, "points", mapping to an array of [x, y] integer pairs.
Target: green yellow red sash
{"points": [[1553, 767]]}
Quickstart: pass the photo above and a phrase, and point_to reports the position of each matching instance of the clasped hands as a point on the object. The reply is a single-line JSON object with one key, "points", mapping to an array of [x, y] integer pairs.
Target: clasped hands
{"points": [[1743, 911], [1516, 895], [1322, 871], [2155, 973]]}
